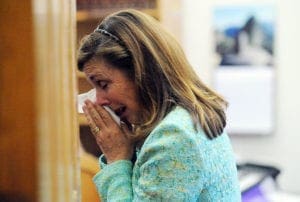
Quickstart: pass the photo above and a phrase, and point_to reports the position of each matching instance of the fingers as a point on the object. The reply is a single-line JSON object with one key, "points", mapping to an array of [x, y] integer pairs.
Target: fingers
{"points": [[126, 130], [95, 115], [94, 128], [105, 115], [94, 119], [98, 118]]}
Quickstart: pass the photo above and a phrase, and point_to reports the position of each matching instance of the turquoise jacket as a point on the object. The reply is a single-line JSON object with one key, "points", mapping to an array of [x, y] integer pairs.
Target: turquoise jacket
{"points": [[175, 163]]}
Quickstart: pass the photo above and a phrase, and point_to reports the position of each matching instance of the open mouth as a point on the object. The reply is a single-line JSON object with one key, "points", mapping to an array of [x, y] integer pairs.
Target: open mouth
{"points": [[120, 111]]}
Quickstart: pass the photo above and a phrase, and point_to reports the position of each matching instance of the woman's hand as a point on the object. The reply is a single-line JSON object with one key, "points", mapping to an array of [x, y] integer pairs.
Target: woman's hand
{"points": [[112, 139]]}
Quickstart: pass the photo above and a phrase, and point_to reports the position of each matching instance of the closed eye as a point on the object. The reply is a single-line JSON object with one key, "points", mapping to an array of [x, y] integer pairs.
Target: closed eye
{"points": [[102, 84]]}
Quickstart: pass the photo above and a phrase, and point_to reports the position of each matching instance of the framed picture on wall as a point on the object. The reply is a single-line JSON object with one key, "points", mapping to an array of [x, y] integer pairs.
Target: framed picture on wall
{"points": [[245, 75]]}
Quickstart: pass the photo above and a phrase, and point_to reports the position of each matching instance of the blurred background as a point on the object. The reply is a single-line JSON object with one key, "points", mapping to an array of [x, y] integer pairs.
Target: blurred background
{"points": [[46, 148]]}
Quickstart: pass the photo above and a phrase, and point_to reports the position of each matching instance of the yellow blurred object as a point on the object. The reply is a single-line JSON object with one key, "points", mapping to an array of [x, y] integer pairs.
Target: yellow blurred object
{"points": [[89, 167]]}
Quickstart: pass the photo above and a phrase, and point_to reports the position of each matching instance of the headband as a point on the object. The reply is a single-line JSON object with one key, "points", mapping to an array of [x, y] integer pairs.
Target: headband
{"points": [[103, 31]]}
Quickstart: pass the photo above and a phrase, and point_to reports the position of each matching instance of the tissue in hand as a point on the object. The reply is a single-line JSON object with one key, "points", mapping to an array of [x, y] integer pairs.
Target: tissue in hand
{"points": [[91, 95]]}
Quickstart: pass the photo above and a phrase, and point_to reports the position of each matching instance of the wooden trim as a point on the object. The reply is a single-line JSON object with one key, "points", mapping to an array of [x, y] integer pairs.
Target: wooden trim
{"points": [[98, 14], [59, 176]]}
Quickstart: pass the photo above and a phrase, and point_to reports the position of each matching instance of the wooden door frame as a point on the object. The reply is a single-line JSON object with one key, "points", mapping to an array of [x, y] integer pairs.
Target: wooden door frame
{"points": [[55, 30]]}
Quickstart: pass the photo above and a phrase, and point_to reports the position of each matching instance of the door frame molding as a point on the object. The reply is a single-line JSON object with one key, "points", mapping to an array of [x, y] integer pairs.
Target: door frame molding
{"points": [[58, 145]]}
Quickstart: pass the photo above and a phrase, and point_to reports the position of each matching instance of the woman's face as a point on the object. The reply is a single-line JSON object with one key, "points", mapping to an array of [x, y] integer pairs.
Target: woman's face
{"points": [[114, 89]]}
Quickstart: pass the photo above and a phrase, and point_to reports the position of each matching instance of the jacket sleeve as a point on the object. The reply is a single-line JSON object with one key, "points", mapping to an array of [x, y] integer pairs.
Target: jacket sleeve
{"points": [[167, 169]]}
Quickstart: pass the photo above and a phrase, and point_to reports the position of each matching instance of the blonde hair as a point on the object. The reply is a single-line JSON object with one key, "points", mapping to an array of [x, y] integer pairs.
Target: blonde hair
{"points": [[137, 44]]}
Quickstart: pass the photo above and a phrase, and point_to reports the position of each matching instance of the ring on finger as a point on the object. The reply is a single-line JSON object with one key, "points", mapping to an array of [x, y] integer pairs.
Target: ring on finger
{"points": [[96, 130]]}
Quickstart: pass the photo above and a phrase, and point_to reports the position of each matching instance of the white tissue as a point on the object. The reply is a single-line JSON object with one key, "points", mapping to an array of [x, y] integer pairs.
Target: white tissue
{"points": [[113, 115], [91, 95]]}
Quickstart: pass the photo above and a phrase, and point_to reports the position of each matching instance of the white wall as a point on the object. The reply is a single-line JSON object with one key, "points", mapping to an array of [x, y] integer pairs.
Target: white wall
{"points": [[282, 148]]}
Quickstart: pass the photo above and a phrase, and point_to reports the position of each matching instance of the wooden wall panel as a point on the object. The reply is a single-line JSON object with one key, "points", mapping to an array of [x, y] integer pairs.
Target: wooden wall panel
{"points": [[39, 159], [18, 154]]}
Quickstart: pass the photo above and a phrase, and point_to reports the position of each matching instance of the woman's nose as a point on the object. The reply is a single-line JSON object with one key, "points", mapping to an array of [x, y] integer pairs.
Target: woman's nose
{"points": [[101, 100]]}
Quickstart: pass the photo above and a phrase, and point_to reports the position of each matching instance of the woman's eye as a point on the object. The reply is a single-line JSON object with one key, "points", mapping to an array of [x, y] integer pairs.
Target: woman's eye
{"points": [[102, 84]]}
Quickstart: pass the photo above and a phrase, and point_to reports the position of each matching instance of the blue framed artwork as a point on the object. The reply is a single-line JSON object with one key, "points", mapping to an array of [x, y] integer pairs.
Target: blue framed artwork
{"points": [[244, 51]]}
